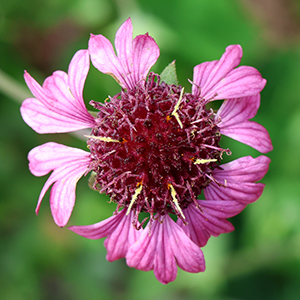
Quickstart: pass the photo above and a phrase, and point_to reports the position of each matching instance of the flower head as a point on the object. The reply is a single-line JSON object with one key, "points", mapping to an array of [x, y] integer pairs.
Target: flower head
{"points": [[154, 148]]}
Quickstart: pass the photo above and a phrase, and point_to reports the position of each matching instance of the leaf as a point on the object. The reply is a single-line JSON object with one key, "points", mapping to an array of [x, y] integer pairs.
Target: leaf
{"points": [[169, 75]]}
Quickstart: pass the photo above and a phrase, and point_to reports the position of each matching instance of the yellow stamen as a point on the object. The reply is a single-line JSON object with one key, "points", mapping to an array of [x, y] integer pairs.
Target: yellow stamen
{"points": [[102, 138], [135, 195], [203, 161], [173, 194], [174, 112]]}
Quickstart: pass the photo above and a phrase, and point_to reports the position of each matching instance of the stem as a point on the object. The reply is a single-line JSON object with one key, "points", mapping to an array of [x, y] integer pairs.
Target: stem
{"points": [[12, 88]]}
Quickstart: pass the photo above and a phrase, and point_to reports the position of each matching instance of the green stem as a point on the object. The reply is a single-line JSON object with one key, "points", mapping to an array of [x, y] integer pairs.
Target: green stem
{"points": [[12, 88]]}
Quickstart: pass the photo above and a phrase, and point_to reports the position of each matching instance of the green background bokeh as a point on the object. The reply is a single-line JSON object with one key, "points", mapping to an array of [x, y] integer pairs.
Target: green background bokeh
{"points": [[259, 260]]}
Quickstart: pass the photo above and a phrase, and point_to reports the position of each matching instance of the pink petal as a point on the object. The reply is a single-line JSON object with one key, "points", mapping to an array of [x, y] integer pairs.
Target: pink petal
{"points": [[201, 74], [162, 247], [209, 219], [239, 176], [219, 80], [164, 263], [123, 44], [134, 60], [142, 255], [119, 231], [43, 120], [145, 54], [78, 71], [125, 235], [251, 134], [101, 229], [68, 165], [209, 74], [59, 106], [188, 255], [104, 59], [234, 111], [234, 115]]}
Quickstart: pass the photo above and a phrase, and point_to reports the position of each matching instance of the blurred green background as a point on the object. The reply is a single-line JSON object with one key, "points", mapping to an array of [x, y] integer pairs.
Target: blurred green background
{"points": [[259, 260]]}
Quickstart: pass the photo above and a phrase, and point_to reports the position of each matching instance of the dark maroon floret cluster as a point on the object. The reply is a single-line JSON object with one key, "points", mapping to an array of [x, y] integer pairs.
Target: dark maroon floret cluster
{"points": [[154, 147]]}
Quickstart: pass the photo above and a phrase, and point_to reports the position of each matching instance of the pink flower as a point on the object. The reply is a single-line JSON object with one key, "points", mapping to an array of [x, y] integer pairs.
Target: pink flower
{"points": [[153, 148]]}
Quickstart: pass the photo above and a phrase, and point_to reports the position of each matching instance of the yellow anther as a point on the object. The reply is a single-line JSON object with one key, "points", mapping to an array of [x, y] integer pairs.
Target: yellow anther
{"points": [[173, 194], [203, 161], [135, 195], [174, 112], [102, 138]]}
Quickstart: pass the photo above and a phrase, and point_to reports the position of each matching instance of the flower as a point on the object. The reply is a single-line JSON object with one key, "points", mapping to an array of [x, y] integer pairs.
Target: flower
{"points": [[154, 148]]}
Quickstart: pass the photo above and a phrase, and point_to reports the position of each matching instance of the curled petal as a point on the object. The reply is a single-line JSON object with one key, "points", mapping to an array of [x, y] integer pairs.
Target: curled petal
{"points": [[209, 219], [239, 177], [59, 106], [163, 245], [118, 229], [134, 60], [68, 166], [235, 115], [219, 80]]}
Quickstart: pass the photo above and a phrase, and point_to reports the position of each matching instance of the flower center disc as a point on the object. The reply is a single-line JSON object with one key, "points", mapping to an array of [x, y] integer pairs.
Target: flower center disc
{"points": [[154, 147]]}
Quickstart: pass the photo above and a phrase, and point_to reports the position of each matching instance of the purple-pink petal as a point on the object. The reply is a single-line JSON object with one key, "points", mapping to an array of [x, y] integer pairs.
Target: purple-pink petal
{"points": [[77, 73], [235, 114], [43, 120], [208, 74], [101, 229], [58, 105], [188, 255], [161, 246], [68, 166], [238, 178], [238, 110], [145, 55], [219, 80], [118, 229], [104, 59], [134, 57], [119, 241], [209, 219], [123, 44]]}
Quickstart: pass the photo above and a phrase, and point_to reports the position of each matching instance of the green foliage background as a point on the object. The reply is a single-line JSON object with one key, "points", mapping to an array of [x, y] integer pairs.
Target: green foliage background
{"points": [[38, 260]]}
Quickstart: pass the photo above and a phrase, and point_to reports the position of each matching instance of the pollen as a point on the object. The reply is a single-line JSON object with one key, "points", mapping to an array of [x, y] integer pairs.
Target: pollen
{"points": [[134, 197], [175, 201], [103, 139], [174, 112], [203, 161]]}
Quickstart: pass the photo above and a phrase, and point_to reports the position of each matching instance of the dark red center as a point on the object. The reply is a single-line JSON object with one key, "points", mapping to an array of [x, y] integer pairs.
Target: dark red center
{"points": [[154, 145]]}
